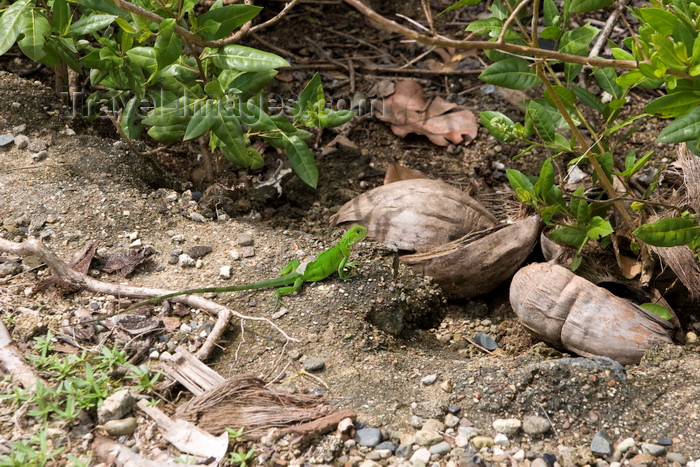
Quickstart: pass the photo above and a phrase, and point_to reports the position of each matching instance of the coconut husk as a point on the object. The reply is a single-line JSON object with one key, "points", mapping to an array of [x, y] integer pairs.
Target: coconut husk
{"points": [[681, 259], [245, 401], [568, 311], [416, 214], [477, 263]]}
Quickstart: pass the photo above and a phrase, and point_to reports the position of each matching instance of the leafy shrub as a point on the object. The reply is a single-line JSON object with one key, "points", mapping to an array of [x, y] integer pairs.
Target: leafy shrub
{"points": [[183, 67]]}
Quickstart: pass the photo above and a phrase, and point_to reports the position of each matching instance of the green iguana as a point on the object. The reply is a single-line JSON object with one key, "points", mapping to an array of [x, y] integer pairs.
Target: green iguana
{"points": [[296, 273]]}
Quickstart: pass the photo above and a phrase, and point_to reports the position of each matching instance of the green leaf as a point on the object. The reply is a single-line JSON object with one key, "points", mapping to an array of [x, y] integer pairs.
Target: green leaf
{"points": [[659, 310], [229, 131], [669, 231], [550, 32], [238, 57], [606, 79], [545, 187], [683, 128], [500, 126], [227, 19], [168, 45], [460, 4], [543, 122], [106, 6], [598, 228], [312, 92], [36, 27], [11, 23], [89, 24], [565, 95], [580, 207], [520, 183], [60, 12], [588, 99], [168, 134], [636, 78], [673, 105], [576, 42], [584, 6], [568, 236], [513, 73], [551, 13], [64, 49], [145, 57], [301, 159], [637, 165], [201, 122], [128, 124], [658, 18]]}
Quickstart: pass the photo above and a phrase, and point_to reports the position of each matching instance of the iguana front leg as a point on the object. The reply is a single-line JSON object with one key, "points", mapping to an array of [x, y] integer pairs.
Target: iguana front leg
{"points": [[344, 263]]}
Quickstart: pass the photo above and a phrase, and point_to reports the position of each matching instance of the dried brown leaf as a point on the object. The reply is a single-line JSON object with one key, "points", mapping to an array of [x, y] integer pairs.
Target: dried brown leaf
{"points": [[396, 172], [408, 112]]}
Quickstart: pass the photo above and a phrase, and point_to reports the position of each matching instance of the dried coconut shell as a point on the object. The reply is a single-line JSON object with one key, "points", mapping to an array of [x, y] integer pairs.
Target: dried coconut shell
{"points": [[416, 214], [467, 267], [565, 310]]}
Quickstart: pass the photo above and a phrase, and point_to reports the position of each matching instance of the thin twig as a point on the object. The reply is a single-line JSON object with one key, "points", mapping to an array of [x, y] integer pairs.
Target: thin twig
{"points": [[517, 49], [62, 271], [509, 20]]}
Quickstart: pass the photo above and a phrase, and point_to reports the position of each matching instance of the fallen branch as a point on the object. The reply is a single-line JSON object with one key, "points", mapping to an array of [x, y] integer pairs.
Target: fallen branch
{"points": [[12, 362], [84, 282]]}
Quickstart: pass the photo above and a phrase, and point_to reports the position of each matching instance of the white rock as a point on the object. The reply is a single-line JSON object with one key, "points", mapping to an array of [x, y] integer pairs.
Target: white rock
{"points": [[507, 426], [421, 455], [501, 440]]}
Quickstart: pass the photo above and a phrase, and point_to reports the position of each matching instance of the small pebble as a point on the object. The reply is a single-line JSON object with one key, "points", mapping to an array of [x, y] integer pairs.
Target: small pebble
{"points": [[664, 441], [625, 444], [539, 462], [313, 364], [601, 444], [534, 425], [404, 451], [441, 448], [461, 440], [21, 141], [676, 457], [428, 380], [121, 427], [507, 426], [468, 431], [244, 240], [6, 139], [421, 455], [501, 440], [197, 217], [417, 422], [655, 450], [199, 251], [453, 409], [691, 338], [225, 272], [550, 459], [185, 261], [386, 445], [451, 421], [368, 437], [485, 341], [482, 442]]}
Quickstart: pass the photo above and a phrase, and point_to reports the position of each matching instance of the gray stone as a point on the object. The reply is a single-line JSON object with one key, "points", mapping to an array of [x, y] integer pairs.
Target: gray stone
{"points": [[115, 406], [124, 426], [441, 448], [468, 431], [428, 380], [427, 437], [21, 141], [386, 445], [417, 422], [185, 261], [534, 425], [601, 444], [197, 217], [461, 441], [507, 426], [501, 440], [244, 240], [655, 450], [429, 409], [368, 437], [676, 457], [312, 364], [451, 421], [485, 341], [6, 139], [10, 268], [403, 451], [199, 251]]}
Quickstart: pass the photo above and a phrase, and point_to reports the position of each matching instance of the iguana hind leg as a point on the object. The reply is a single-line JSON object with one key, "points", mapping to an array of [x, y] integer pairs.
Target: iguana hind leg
{"points": [[289, 289]]}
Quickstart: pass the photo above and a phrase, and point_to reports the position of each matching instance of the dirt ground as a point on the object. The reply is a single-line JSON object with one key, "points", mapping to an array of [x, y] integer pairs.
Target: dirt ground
{"points": [[92, 188]]}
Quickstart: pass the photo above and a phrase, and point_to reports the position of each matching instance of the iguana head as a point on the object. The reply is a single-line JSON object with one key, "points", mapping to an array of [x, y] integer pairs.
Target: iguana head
{"points": [[355, 234]]}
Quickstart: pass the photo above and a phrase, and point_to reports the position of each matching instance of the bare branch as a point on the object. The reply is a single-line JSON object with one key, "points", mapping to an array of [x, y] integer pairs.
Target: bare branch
{"points": [[82, 281]]}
